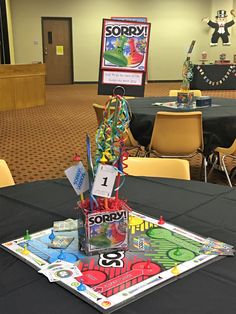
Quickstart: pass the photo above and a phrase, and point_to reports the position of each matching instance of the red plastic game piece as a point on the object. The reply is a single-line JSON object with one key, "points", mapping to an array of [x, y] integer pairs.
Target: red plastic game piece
{"points": [[147, 265], [76, 157], [161, 221]]}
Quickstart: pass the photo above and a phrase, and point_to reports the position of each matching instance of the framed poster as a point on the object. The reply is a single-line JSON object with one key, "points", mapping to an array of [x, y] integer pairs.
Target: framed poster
{"points": [[125, 45], [124, 51], [130, 18]]}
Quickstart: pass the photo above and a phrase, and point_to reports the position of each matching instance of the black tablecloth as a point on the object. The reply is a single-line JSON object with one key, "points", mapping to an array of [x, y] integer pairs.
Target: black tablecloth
{"points": [[214, 76], [207, 209], [219, 122]]}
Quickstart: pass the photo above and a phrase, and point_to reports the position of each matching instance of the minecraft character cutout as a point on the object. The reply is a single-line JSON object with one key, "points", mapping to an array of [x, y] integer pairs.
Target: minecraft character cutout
{"points": [[220, 27]]}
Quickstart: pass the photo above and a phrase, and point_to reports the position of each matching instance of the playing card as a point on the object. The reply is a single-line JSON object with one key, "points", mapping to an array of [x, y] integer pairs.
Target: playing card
{"points": [[60, 270], [214, 247]]}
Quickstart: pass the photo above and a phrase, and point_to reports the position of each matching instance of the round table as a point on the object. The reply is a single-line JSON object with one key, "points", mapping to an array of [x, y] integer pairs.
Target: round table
{"points": [[203, 208], [219, 121]]}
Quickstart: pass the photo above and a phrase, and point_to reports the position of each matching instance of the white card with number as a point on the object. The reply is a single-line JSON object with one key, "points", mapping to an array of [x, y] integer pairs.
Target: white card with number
{"points": [[104, 180], [78, 177]]}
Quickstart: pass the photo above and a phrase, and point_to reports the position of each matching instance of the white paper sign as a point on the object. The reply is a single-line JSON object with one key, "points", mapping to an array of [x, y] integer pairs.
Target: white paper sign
{"points": [[78, 177], [122, 78], [104, 180]]}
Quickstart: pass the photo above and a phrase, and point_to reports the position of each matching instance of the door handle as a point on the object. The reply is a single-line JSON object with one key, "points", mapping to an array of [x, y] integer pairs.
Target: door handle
{"points": [[46, 51]]}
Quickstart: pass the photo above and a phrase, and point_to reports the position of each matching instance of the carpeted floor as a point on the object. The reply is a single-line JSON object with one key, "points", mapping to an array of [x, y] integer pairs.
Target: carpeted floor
{"points": [[39, 143]]}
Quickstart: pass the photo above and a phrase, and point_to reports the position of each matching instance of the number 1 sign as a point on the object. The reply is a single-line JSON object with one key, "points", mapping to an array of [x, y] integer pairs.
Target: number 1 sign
{"points": [[104, 180]]}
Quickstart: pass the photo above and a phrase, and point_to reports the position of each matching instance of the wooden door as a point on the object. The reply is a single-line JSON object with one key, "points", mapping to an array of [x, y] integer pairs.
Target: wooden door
{"points": [[57, 50]]}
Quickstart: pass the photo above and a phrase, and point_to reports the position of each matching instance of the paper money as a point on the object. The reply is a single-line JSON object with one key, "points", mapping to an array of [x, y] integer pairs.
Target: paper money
{"points": [[61, 242], [65, 225]]}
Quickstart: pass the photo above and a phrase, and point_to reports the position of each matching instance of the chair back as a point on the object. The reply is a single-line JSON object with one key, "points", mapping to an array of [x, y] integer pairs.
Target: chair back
{"points": [[177, 133], [6, 178], [233, 148], [196, 92], [99, 110], [220, 153], [130, 141], [158, 167], [227, 151]]}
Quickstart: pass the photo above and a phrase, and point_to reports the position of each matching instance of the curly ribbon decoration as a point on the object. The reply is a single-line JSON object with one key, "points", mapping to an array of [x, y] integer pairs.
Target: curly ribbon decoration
{"points": [[124, 165], [110, 138], [112, 130], [187, 74]]}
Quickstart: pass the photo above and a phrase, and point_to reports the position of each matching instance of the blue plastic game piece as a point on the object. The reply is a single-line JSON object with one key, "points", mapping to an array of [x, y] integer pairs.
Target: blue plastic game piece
{"points": [[61, 256], [81, 286], [52, 235]]}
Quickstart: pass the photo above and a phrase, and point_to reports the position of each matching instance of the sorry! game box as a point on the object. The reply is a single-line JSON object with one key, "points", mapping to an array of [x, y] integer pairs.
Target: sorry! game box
{"points": [[158, 253]]}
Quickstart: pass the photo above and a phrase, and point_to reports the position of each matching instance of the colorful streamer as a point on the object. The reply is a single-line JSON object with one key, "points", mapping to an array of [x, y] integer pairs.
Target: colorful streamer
{"points": [[110, 135]]}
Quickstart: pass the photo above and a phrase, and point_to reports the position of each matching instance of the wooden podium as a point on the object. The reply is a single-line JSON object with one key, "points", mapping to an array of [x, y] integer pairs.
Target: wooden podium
{"points": [[22, 86]]}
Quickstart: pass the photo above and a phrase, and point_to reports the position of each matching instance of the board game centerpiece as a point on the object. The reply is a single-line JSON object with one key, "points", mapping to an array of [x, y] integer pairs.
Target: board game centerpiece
{"points": [[103, 218], [185, 98]]}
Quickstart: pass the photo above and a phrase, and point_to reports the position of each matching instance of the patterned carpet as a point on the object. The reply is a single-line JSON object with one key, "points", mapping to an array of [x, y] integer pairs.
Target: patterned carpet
{"points": [[39, 143]]}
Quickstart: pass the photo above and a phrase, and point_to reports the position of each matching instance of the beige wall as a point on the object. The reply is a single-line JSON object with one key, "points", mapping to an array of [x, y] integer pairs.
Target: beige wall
{"points": [[174, 23]]}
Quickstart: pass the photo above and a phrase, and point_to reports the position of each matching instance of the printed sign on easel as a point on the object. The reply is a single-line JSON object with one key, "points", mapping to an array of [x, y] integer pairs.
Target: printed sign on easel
{"points": [[124, 55]]}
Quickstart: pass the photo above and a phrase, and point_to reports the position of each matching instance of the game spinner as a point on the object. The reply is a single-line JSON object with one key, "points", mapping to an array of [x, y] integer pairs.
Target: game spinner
{"points": [[158, 253]]}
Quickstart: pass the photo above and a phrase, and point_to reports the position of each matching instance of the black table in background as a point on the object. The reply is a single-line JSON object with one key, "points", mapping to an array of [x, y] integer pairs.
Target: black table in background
{"points": [[219, 123], [214, 76], [206, 209]]}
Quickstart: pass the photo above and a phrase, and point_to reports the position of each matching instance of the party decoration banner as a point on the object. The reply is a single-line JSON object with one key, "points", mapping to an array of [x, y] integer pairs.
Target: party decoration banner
{"points": [[231, 71], [124, 50]]}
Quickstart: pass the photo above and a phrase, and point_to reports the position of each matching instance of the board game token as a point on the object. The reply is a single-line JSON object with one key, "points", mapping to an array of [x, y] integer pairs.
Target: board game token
{"points": [[52, 235], [147, 265], [27, 235], [81, 287], [161, 221], [175, 270], [177, 252], [25, 251], [61, 256], [181, 254]]}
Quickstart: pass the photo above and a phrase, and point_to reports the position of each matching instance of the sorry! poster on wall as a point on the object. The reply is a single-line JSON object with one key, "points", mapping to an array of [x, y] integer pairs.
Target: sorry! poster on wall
{"points": [[124, 54]]}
